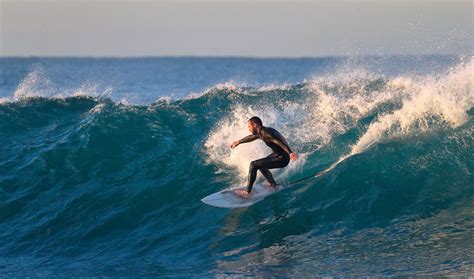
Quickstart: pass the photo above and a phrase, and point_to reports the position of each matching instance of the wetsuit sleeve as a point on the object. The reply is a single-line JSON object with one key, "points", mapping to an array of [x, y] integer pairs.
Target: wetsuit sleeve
{"points": [[249, 138], [278, 142]]}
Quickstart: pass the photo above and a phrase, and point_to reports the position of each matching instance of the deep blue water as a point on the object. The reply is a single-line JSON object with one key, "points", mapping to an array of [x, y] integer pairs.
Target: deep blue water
{"points": [[103, 162]]}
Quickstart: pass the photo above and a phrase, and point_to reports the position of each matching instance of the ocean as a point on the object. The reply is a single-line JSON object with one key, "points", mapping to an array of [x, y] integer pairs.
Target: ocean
{"points": [[104, 161]]}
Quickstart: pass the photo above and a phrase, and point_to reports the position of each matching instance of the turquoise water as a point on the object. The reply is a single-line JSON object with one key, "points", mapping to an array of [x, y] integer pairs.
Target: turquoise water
{"points": [[103, 163]]}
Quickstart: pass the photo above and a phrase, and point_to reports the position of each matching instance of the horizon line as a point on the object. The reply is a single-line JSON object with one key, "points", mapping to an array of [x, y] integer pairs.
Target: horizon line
{"points": [[226, 56]]}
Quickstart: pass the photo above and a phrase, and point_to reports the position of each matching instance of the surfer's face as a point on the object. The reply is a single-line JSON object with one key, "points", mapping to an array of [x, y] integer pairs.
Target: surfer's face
{"points": [[252, 128]]}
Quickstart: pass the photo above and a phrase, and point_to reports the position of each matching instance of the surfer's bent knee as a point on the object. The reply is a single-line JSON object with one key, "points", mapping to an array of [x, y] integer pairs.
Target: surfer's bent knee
{"points": [[253, 165]]}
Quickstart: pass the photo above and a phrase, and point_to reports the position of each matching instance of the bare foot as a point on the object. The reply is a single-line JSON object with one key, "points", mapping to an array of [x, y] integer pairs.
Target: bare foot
{"points": [[242, 193], [271, 186]]}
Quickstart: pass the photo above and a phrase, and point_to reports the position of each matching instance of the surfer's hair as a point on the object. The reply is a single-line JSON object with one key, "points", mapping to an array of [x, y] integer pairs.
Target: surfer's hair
{"points": [[256, 120]]}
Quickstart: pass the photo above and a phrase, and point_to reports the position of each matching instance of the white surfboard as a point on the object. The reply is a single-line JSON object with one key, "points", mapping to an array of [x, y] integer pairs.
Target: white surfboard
{"points": [[228, 199]]}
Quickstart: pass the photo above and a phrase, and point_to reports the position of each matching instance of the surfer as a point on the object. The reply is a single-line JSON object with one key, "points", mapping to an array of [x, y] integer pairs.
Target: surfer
{"points": [[278, 159]]}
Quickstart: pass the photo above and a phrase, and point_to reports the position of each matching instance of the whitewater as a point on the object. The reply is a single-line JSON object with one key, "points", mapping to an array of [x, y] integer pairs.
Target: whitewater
{"points": [[104, 161]]}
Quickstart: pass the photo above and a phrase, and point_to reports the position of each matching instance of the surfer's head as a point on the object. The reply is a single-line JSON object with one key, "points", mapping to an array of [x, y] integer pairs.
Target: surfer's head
{"points": [[254, 124]]}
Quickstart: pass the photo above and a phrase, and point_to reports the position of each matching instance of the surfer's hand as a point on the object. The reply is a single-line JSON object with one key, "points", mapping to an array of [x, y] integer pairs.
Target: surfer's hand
{"points": [[234, 144], [293, 156]]}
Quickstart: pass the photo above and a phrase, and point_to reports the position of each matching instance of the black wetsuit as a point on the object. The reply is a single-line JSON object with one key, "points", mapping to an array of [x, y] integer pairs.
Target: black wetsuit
{"points": [[278, 159]]}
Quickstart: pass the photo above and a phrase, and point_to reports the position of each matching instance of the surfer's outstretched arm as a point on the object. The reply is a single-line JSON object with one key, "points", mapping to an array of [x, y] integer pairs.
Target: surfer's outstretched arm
{"points": [[248, 138]]}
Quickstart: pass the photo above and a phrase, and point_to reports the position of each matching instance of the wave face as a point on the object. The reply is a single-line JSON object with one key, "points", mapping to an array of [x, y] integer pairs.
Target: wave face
{"points": [[92, 184]]}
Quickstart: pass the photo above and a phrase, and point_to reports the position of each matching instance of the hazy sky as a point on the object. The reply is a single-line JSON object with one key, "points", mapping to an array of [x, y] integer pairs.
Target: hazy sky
{"points": [[234, 28]]}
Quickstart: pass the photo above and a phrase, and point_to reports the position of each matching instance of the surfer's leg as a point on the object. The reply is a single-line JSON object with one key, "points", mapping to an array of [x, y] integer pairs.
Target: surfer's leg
{"points": [[277, 161], [252, 175], [268, 176], [270, 162]]}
